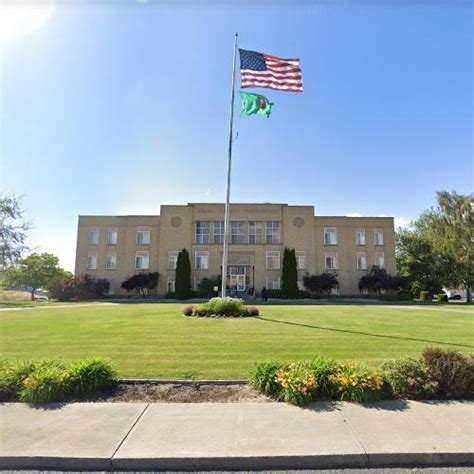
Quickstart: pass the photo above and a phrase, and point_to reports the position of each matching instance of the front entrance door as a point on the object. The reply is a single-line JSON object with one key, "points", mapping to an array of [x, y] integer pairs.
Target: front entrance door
{"points": [[237, 281]]}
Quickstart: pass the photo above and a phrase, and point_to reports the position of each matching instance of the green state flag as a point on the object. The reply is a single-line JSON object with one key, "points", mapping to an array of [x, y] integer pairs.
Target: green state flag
{"points": [[255, 104]]}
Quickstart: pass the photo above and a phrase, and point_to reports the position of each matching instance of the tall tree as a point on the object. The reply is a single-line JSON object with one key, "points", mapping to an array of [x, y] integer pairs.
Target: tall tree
{"points": [[183, 276], [13, 231], [450, 229], [321, 284], [289, 274], [36, 271]]}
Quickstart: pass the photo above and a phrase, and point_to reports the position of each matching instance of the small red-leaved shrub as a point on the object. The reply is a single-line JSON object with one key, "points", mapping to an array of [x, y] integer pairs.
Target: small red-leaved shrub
{"points": [[188, 310]]}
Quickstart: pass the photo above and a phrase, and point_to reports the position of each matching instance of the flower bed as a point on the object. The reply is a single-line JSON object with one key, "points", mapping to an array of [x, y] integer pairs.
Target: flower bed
{"points": [[221, 308]]}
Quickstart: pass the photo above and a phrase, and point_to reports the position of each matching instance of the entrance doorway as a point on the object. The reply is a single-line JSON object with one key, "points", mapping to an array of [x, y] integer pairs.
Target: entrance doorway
{"points": [[237, 281]]}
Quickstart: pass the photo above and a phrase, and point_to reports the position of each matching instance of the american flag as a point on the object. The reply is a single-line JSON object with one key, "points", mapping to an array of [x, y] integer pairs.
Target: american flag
{"points": [[265, 70]]}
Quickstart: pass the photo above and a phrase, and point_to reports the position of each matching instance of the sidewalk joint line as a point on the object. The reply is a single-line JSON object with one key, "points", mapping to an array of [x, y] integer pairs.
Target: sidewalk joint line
{"points": [[354, 433]]}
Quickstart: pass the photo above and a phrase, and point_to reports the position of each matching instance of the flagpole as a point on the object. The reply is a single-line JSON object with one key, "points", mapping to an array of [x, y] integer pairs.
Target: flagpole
{"points": [[229, 168]]}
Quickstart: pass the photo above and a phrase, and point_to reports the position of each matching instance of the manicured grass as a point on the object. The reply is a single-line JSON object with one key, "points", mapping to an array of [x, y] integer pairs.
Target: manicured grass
{"points": [[155, 340]]}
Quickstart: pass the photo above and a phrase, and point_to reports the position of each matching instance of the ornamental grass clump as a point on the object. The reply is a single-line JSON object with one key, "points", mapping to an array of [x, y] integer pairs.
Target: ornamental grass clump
{"points": [[356, 384], [90, 375], [264, 378], [298, 383]]}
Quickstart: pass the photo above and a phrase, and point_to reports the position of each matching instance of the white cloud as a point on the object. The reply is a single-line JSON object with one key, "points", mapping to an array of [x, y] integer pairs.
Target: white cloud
{"points": [[403, 222]]}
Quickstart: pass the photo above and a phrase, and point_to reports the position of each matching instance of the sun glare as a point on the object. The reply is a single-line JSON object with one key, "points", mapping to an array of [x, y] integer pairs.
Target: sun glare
{"points": [[20, 17]]}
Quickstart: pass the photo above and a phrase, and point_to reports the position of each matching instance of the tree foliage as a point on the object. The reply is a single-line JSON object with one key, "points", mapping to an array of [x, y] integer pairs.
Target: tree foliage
{"points": [[141, 282], [13, 231], [378, 279], [83, 287], [289, 275], [36, 271], [321, 284], [183, 276], [207, 284]]}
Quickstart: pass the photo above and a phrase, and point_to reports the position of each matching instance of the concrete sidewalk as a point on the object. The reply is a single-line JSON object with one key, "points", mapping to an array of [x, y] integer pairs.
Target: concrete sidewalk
{"points": [[178, 436]]}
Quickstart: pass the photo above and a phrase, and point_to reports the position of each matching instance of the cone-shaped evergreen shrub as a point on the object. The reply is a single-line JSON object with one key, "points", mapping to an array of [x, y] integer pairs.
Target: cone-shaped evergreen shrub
{"points": [[183, 276], [289, 275]]}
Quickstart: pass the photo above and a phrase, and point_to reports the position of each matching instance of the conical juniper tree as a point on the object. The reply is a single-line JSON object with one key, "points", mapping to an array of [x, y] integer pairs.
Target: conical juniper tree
{"points": [[289, 275], [183, 276]]}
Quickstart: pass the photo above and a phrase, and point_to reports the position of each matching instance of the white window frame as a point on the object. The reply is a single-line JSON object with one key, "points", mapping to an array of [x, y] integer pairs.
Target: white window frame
{"points": [[89, 265], [171, 282], [203, 256], [378, 256], [362, 241], [300, 260], [335, 258], [271, 255], [142, 255], [107, 262], [219, 227], [273, 280], [112, 231], [256, 232], [272, 232], [172, 259], [240, 237], [93, 240], [328, 231], [378, 241], [361, 255], [202, 238], [143, 231]]}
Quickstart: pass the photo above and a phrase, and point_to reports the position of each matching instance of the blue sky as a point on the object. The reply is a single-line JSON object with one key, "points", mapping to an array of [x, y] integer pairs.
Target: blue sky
{"points": [[118, 107]]}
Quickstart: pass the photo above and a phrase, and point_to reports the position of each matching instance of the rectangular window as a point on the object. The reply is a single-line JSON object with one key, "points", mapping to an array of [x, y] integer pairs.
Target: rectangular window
{"points": [[201, 260], [219, 232], [331, 261], [273, 260], [112, 236], [272, 232], [143, 235], [92, 262], [330, 236], [300, 260], [237, 232], [111, 262], [378, 237], [111, 282], [255, 232], [361, 260], [360, 236], [93, 236], [170, 285], [335, 291], [273, 283], [379, 259], [142, 260], [172, 259], [202, 232]]}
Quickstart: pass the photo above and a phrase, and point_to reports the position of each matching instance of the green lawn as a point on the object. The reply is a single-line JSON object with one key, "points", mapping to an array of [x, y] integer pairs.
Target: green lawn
{"points": [[154, 340]]}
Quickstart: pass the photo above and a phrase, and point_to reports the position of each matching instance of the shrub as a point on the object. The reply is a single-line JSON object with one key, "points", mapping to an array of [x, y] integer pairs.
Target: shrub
{"points": [[183, 276], [452, 372], [408, 378], [356, 383], [263, 378], [188, 310], [274, 294], [298, 383], [253, 311], [289, 274], [320, 284], [90, 375], [223, 307], [442, 298], [324, 369], [141, 282], [12, 377], [424, 295], [45, 384]]}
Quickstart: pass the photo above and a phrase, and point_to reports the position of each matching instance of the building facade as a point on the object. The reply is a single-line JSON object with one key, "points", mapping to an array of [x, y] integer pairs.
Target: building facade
{"points": [[116, 247]]}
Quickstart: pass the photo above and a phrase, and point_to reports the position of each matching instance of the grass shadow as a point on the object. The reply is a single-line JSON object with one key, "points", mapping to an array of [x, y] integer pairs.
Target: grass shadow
{"points": [[362, 333]]}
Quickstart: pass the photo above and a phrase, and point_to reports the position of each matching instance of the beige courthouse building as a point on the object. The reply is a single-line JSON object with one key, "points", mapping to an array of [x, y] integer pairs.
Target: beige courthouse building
{"points": [[115, 247]]}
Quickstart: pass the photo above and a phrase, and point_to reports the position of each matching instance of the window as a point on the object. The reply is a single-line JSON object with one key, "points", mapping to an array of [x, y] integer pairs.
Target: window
{"points": [[273, 232], [378, 237], [273, 283], [331, 261], [143, 235], [112, 236], [142, 260], [300, 260], [335, 291], [170, 285], [111, 282], [379, 259], [255, 232], [219, 232], [273, 260], [361, 260], [237, 232], [202, 232], [94, 236], [201, 260], [92, 262], [360, 236], [111, 262], [172, 259], [330, 236]]}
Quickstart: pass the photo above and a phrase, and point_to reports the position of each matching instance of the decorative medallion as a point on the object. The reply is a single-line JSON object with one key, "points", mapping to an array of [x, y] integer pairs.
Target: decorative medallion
{"points": [[298, 222], [176, 221]]}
